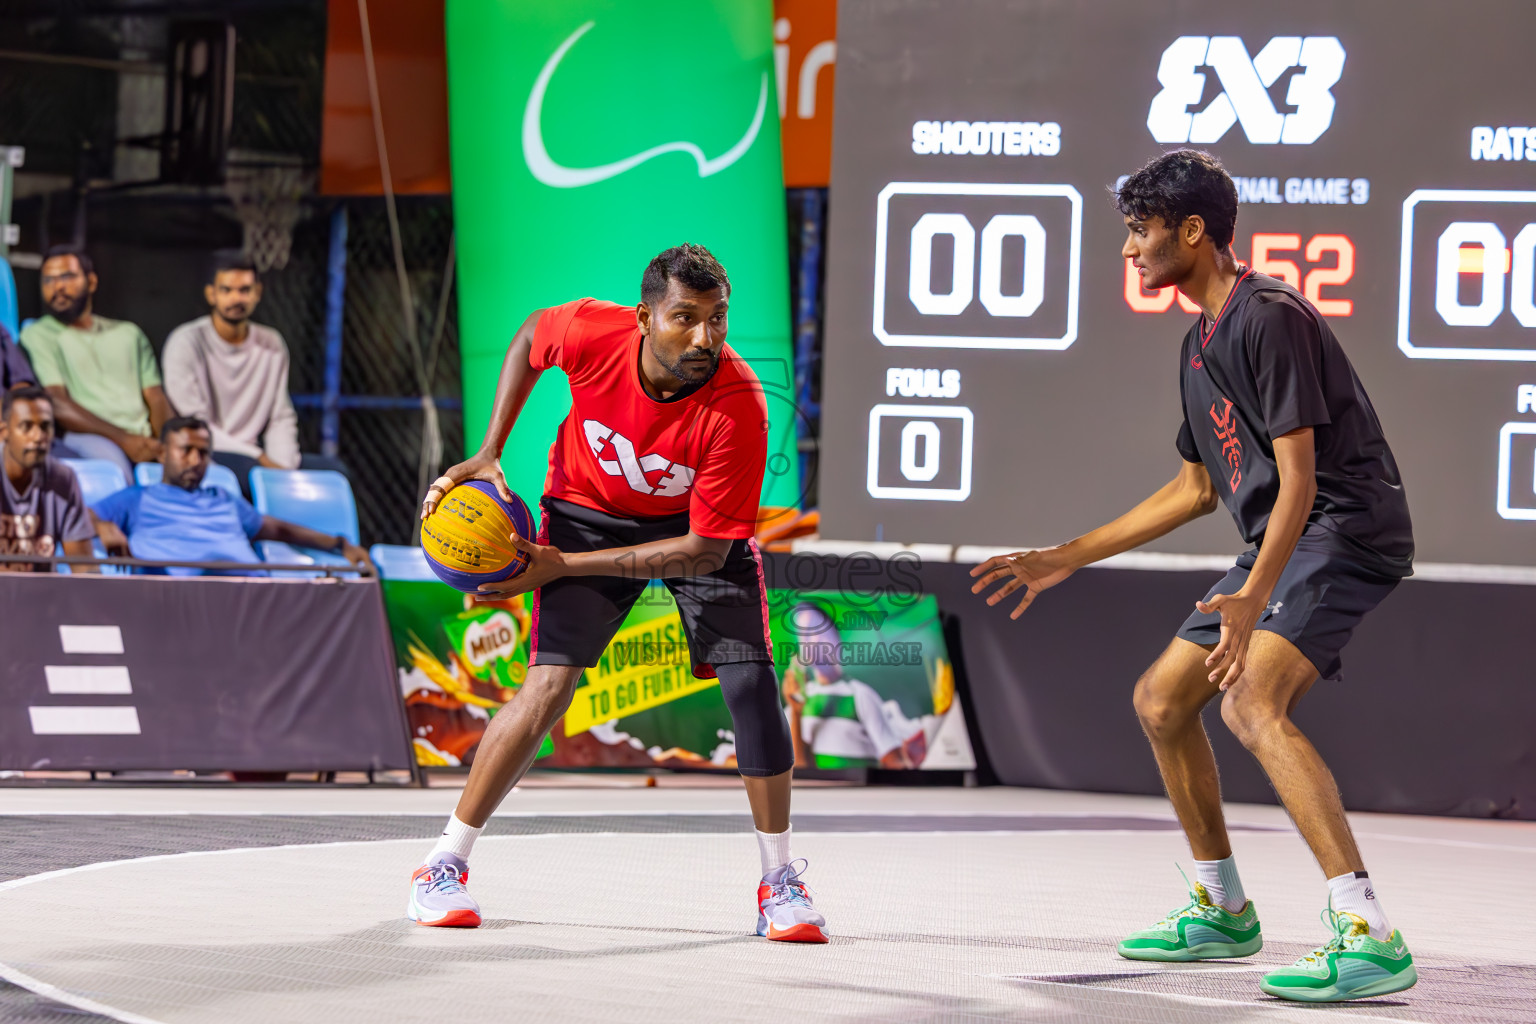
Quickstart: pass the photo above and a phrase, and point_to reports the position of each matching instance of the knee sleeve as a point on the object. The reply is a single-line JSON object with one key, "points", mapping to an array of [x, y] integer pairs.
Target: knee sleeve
{"points": [[751, 691]]}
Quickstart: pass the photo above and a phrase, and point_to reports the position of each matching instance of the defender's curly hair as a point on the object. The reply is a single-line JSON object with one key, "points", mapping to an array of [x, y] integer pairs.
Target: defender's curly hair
{"points": [[1180, 184]]}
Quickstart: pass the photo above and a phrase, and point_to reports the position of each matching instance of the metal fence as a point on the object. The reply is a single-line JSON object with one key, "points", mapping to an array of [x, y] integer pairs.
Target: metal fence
{"points": [[371, 378]]}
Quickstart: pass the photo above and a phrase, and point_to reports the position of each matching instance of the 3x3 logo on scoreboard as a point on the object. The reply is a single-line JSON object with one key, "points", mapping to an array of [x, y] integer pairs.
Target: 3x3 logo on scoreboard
{"points": [[1467, 287], [976, 265]]}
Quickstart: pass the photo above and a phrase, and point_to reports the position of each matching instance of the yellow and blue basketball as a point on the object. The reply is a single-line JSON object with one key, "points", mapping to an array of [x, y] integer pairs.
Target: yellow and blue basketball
{"points": [[467, 538]]}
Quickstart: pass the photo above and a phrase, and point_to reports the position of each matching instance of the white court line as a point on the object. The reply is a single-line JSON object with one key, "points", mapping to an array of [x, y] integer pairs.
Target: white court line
{"points": [[1432, 841]]}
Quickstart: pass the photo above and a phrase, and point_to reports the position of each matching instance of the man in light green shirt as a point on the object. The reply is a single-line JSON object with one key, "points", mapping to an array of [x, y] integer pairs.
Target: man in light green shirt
{"points": [[101, 373]]}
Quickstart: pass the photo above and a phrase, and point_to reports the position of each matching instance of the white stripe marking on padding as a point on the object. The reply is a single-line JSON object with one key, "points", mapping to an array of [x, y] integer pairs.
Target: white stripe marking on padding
{"points": [[88, 679], [91, 639], [84, 721]]}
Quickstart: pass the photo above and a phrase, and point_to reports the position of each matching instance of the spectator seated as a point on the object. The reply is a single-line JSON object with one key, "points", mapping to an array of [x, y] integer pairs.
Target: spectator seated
{"points": [[41, 506], [180, 519], [233, 373], [101, 373]]}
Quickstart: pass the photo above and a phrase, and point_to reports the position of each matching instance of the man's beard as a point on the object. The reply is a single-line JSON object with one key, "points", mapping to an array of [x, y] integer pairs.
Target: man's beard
{"points": [[187, 480], [1163, 260], [236, 315], [72, 312], [684, 369]]}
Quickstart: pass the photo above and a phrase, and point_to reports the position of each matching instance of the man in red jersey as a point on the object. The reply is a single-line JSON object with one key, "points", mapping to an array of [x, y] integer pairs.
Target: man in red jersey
{"points": [[655, 474]]}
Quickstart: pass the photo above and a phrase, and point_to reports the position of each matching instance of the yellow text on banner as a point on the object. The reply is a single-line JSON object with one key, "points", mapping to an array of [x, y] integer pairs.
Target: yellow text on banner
{"points": [[646, 665]]}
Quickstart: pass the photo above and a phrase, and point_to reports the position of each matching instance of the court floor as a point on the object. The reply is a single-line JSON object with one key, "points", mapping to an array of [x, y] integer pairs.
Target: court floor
{"points": [[611, 902]]}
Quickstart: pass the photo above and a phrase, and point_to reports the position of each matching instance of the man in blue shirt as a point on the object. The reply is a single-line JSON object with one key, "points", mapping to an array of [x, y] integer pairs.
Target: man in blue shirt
{"points": [[180, 520]]}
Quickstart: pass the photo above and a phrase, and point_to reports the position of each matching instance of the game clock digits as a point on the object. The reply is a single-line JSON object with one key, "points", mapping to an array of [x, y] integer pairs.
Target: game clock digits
{"points": [[997, 374]]}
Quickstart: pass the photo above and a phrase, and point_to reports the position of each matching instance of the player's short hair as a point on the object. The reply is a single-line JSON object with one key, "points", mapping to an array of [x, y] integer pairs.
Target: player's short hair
{"points": [[230, 259], [29, 393], [176, 423], [1180, 184], [86, 266], [693, 265]]}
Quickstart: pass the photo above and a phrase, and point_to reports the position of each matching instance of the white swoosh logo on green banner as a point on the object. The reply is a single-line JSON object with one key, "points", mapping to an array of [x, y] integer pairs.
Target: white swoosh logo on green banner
{"points": [[544, 168]]}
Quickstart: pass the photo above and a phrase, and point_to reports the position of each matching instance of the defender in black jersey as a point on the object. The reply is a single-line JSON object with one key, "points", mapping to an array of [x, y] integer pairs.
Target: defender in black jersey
{"points": [[1277, 426]]}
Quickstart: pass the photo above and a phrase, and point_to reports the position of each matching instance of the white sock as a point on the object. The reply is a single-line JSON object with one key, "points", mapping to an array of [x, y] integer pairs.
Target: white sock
{"points": [[773, 848], [457, 839], [1221, 883], [1353, 893]]}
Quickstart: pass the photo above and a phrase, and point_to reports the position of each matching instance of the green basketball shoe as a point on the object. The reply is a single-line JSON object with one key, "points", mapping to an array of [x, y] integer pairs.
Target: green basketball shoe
{"points": [[1199, 931], [1351, 966]]}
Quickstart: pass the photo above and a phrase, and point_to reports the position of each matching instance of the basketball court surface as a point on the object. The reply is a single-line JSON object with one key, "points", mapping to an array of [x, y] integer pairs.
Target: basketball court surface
{"points": [[609, 902]]}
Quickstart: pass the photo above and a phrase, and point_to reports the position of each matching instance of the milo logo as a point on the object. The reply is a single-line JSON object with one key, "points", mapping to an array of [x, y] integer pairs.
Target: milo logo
{"points": [[493, 637]]}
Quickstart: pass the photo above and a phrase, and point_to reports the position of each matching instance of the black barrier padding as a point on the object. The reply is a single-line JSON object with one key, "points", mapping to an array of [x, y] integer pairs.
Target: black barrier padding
{"points": [[1434, 714], [225, 674]]}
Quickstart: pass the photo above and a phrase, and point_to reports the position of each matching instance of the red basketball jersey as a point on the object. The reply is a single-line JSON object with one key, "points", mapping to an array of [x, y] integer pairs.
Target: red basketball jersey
{"points": [[623, 452]]}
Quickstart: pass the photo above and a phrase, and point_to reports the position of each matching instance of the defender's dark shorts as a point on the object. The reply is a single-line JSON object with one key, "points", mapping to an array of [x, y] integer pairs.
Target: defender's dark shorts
{"points": [[725, 614], [1320, 598]]}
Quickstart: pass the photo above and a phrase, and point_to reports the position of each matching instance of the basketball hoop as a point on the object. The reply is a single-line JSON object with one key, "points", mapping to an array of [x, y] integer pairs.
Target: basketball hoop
{"points": [[268, 201]]}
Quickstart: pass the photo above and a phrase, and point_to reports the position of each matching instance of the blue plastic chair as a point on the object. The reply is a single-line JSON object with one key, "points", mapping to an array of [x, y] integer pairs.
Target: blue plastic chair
{"points": [[8, 310], [146, 474], [398, 562], [98, 478], [320, 499]]}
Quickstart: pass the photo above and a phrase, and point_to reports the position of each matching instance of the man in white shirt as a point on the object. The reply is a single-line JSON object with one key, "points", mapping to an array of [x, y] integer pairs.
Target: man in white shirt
{"points": [[232, 373]]}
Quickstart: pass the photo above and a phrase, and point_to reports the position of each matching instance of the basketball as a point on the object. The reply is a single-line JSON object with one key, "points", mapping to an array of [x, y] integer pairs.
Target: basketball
{"points": [[467, 537]]}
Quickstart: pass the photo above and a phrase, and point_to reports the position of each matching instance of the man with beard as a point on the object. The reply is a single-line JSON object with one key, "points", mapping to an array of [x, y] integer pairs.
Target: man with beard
{"points": [[1277, 425], [180, 520], [41, 508], [655, 474], [101, 373], [232, 373]]}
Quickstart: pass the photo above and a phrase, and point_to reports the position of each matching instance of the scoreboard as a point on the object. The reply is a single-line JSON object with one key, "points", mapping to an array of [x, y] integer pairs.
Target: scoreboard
{"points": [[995, 374]]}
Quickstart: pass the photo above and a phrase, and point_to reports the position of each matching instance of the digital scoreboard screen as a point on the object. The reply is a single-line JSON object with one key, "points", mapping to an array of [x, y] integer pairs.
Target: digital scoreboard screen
{"points": [[996, 375]]}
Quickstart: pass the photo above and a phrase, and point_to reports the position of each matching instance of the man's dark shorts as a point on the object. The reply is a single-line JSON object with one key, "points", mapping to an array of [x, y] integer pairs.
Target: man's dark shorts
{"points": [[725, 614], [1320, 598]]}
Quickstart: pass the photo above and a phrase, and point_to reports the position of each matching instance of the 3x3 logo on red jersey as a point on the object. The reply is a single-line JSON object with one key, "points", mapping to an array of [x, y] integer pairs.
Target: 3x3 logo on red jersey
{"points": [[675, 479]]}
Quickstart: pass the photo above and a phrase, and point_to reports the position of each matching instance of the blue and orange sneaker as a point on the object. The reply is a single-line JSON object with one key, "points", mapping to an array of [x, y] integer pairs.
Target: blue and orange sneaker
{"points": [[784, 908], [438, 896]]}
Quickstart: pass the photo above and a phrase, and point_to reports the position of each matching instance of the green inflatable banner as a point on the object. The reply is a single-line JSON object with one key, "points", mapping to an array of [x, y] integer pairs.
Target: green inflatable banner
{"points": [[585, 138]]}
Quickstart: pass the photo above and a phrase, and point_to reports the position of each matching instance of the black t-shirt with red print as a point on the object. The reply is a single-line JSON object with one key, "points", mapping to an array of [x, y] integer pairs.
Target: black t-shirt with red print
{"points": [[1270, 365]]}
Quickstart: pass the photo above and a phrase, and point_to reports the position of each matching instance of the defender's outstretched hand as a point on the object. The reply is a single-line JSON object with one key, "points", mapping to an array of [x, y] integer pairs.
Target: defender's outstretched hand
{"points": [[1034, 570], [480, 466]]}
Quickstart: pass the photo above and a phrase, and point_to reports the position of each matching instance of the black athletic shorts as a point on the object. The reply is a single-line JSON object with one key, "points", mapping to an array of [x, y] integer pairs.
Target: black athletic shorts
{"points": [[725, 614], [1320, 598]]}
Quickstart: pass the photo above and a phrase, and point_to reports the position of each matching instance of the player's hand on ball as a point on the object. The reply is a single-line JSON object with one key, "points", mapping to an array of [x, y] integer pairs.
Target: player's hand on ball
{"points": [[545, 564], [481, 466], [1033, 570], [1239, 614]]}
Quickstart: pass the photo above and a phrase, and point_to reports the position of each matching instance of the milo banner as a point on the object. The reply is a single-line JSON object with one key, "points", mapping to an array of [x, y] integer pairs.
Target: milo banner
{"points": [[579, 153], [866, 681]]}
